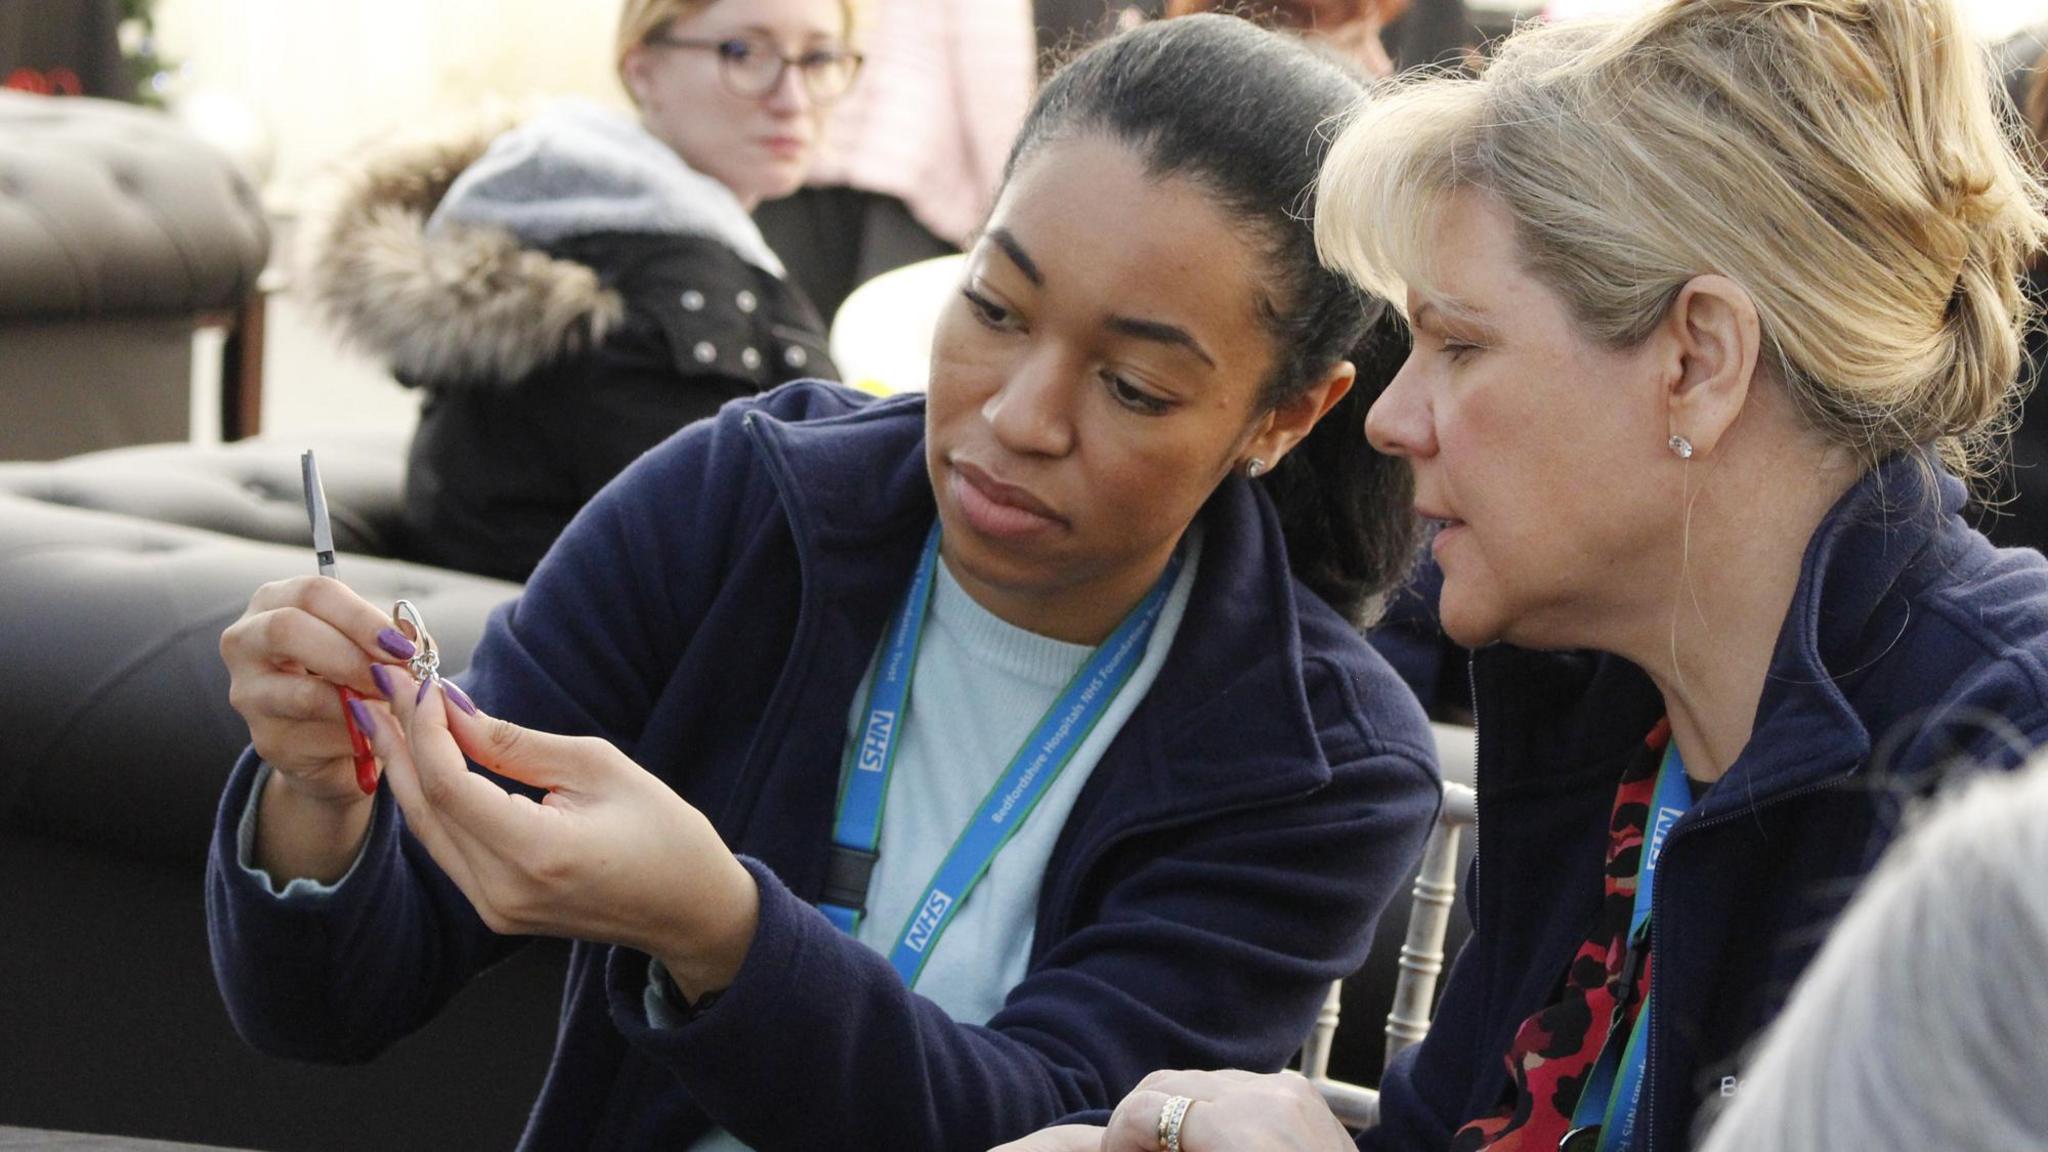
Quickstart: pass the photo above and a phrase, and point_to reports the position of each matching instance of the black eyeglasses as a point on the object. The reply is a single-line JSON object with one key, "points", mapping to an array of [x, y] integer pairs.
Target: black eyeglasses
{"points": [[753, 66]]}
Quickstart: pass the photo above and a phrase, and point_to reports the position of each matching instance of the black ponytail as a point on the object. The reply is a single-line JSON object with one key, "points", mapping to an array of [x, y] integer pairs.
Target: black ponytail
{"points": [[1347, 510], [1246, 115]]}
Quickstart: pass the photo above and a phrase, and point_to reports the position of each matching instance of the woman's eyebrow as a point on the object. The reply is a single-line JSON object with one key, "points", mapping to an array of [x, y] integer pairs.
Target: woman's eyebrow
{"points": [[809, 37], [1162, 333], [1015, 251], [1152, 330], [1436, 313]]}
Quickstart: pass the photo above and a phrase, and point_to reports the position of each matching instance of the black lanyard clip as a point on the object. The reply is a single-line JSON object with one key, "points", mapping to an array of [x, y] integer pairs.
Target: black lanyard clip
{"points": [[847, 872]]}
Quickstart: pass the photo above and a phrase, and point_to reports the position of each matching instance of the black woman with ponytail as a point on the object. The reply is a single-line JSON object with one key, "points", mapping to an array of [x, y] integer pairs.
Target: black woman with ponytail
{"points": [[1174, 101], [914, 772]]}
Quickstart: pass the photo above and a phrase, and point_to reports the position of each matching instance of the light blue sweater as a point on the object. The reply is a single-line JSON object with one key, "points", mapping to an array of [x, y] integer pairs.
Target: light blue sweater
{"points": [[981, 685]]}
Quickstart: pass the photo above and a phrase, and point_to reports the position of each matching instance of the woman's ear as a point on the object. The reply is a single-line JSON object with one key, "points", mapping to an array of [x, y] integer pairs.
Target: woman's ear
{"points": [[634, 69], [1716, 335], [1290, 423]]}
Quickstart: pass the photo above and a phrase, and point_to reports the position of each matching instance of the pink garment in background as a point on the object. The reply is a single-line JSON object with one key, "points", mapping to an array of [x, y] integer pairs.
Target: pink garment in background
{"points": [[944, 90]]}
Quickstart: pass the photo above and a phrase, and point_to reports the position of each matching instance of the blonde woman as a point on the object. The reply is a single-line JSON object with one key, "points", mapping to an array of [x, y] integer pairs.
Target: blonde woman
{"points": [[1713, 307], [571, 291]]}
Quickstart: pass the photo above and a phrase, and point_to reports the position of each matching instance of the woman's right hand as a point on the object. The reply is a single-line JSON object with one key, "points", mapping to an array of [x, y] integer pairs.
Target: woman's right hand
{"points": [[1232, 1111], [1229, 1111], [297, 641]]}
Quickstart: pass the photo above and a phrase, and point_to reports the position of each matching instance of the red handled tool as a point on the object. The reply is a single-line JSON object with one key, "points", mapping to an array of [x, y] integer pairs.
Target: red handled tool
{"points": [[323, 551]]}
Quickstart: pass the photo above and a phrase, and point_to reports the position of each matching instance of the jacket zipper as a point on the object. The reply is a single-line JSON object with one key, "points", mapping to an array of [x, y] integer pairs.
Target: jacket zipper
{"points": [[1472, 689], [1656, 914]]}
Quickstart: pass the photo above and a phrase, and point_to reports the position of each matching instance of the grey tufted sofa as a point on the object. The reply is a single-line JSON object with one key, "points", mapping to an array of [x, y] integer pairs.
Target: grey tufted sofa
{"points": [[119, 231], [118, 571]]}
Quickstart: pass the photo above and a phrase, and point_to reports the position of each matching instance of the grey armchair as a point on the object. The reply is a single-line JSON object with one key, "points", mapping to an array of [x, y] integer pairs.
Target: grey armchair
{"points": [[120, 233]]}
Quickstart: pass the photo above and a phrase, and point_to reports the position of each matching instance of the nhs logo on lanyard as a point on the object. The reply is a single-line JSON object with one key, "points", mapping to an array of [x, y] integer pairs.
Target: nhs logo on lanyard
{"points": [[874, 746], [1666, 817], [927, 923]]}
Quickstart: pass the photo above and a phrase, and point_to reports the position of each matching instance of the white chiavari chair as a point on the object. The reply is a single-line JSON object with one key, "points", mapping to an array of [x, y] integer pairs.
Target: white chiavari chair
{"points": [[1422, 954]]}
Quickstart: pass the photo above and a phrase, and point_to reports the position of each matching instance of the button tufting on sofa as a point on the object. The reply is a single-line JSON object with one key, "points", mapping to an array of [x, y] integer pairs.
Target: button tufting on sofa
{"points": [[120, 231], [116, 738], [118, 571], [249, 489], [93, 244]]}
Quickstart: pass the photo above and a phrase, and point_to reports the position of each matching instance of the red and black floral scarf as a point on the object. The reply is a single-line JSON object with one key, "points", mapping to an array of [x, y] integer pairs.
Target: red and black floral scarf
{"points": [[1554, 1050]]}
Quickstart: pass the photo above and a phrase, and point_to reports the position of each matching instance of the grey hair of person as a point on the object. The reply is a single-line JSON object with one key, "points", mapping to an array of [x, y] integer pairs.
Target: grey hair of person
{"points": [[1923, 1022]]}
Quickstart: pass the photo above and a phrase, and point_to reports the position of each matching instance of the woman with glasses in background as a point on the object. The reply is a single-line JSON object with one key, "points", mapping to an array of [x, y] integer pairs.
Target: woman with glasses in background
{"points": [[571, 291]]}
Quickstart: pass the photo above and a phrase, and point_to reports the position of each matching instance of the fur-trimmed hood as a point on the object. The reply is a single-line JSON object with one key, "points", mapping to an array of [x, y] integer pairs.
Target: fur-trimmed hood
{"points": [[472, 297]]}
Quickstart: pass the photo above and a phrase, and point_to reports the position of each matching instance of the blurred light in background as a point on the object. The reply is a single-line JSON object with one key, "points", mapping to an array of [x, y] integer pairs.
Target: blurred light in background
{"points": [[324, 78]]}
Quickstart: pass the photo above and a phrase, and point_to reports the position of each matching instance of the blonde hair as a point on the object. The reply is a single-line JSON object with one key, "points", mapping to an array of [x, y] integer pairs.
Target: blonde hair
{"points": [[640, 20], [1842, 160]]}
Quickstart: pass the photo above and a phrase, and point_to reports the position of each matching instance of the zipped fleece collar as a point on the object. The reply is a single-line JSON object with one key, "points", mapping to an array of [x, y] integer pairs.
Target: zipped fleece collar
{"points": [[1223, 676], [1903, 623], [1859, 574]]}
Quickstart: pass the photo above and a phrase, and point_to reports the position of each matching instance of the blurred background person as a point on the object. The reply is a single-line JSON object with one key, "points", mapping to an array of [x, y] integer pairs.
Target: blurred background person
{"points": [[1379, 37], [1347, 29], [571, 291], [1921, 1023], [1437, 34], [913, 154], [2019, 507]]}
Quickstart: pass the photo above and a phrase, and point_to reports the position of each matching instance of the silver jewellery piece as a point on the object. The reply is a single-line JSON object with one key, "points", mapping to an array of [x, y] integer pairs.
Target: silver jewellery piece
{"points": [[1170, 1117], [1681, 447], [1254, 468], [425, 664]]}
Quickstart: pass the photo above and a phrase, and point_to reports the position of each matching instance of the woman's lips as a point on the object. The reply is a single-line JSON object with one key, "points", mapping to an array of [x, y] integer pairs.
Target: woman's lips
{"points": [[1446, 529], [995, 508], [1441, 525], [784, 147]]}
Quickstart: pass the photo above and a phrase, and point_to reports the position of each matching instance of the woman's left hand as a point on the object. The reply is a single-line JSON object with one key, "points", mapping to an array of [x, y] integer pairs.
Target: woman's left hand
{"points": [[608, 854], [1232, 1112]]}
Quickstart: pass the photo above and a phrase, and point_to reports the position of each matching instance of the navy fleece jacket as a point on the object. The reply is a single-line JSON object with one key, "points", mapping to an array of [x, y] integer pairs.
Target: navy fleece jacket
{"points": [[711, 613], [1913, 649]]}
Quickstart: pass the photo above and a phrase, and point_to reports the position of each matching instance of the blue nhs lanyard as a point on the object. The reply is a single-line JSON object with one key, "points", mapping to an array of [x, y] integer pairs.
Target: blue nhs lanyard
{"points": [[864, 784], [1611, 1101]]}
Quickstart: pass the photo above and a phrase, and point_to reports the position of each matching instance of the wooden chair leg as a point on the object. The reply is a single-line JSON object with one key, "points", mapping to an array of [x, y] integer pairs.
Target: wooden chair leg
{"points": [[241, 372]]}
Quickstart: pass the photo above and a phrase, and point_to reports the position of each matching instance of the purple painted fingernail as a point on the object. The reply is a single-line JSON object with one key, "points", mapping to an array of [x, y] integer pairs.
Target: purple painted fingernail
{"points": [[421, 695], [460, 697], [393, 641], [365, 723], [382, 676]]}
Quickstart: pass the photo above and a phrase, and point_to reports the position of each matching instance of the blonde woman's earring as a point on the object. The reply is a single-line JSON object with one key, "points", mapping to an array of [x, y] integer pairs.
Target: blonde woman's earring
{"points": [[1681, 447], [1254, 468]]}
